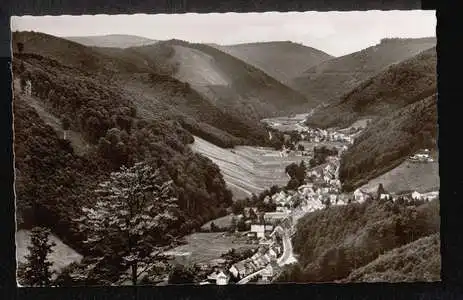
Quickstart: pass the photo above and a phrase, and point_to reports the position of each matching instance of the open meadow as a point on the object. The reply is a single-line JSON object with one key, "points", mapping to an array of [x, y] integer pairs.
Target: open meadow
{"points": [[206, 246], [408, 176]]}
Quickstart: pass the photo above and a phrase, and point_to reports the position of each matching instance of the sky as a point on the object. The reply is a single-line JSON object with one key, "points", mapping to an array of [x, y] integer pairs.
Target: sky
{"points": [[336, 33]]}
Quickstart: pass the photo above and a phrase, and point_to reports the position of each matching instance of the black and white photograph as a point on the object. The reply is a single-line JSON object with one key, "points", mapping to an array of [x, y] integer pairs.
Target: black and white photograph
{"points": [[226, 148]]}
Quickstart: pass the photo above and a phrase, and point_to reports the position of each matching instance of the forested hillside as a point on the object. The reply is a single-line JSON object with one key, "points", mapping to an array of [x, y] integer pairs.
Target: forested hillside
{"points": [[329, 252], [149, 85], [328, 81], [53, 183], [397, 86], [418, 261], [231, 84], [388, 141]]}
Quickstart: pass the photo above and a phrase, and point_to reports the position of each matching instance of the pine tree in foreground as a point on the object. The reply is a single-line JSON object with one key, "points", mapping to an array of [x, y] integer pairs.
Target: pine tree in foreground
{"points": [[36, 271], [132, 205]]}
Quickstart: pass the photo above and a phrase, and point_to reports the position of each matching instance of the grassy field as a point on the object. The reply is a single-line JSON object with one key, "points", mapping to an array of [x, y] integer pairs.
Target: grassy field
{"points": [[208, 246], [62, 254], [420, 177], [247, 169]]}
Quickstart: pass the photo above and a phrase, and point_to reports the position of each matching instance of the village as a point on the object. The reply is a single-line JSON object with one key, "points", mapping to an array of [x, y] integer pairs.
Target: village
{"points": [[271, 231]]}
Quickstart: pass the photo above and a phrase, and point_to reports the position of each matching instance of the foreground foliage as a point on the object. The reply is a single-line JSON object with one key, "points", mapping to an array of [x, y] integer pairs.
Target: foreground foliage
{"points": [[131, 217]]}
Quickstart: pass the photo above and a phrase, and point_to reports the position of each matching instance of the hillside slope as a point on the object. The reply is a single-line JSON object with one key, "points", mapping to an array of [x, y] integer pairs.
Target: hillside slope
{"points": [[329, 252], [111, 40], [229, 83], [154, 92], [417, 261], [388, 141], [53, 183], [281, 60], [395, 87], [328, 81]]}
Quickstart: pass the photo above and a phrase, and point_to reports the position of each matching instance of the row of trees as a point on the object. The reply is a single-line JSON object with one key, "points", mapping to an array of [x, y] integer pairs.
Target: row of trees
{"points": [[320, 154], [297, 174]]}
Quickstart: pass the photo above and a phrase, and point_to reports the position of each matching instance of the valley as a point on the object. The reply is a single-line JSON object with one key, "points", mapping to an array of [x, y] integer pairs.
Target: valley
{"points": [[257, 164]]}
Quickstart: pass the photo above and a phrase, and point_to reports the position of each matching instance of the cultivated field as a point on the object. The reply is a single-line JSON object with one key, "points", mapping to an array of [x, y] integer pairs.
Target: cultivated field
{"points": [[205, 247], [247, 169], [62, 254], [420, 177]]}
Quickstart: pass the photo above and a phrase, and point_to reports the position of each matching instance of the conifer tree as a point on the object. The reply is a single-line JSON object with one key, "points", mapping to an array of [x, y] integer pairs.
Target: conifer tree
{"points": [[36, 271]]}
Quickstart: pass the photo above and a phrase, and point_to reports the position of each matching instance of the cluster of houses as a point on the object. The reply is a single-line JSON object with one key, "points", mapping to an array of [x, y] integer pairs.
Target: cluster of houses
{"points": [[422, 156], [326, 174], [264, 259], [318, 135], [361, 195], [264, 262]]}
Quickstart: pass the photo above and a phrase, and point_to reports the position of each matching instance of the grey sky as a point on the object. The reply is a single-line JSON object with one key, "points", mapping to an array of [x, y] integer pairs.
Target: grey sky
{"points": [[336, 33]]}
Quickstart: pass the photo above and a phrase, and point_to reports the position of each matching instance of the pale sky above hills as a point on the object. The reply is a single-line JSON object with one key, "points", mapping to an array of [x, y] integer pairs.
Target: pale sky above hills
{"points": [[336, 33]]}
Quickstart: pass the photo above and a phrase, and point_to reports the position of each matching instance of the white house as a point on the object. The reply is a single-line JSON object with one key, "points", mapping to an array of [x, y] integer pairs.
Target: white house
{"points": [[416, 195], [359, 195], [333, 198], [259, 230], [384, 196], [431, 195]]}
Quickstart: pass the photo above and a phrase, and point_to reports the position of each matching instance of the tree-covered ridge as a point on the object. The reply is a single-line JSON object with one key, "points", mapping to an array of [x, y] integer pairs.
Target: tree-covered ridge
{"points": [[388, 141], [129, 74], [397, 86], [329, 252], [417, 261]]}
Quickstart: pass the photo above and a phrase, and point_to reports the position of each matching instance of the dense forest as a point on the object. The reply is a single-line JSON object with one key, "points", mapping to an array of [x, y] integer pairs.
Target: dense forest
{"points": [[388, 141], [53, 183], [395, 87], [329, 252], [420, 260]]}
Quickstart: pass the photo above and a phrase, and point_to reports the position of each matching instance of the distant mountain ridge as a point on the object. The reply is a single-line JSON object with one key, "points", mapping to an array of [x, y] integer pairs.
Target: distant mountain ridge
{"points": [[283, 60], [329, 80], [112, 40], [226, 81]]}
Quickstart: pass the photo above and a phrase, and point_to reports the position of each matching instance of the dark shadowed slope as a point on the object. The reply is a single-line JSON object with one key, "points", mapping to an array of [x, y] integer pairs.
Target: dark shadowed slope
{"points": [[417, 261], [395, 87], [112, 40], [328, 81], [281, 60], [328, 251], [388, 141], [228, 82]]}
